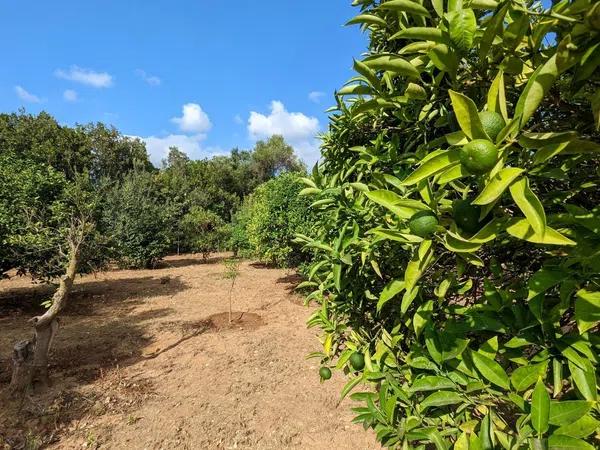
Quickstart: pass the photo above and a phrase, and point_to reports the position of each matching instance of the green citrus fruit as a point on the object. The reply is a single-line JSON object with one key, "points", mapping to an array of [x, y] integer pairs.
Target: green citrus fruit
{"points": [[357, 360], [492, 122], [423, 223], [479, 156], [325, 373], [466, 215]]}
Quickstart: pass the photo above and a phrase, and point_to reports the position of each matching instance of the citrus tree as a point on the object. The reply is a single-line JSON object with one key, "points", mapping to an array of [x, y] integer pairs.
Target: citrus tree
{"points": [[459, 234], [271, 216]]}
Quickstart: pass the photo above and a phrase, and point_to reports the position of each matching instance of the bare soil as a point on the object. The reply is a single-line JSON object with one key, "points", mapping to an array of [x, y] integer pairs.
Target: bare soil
{"points": [[147, 359]]}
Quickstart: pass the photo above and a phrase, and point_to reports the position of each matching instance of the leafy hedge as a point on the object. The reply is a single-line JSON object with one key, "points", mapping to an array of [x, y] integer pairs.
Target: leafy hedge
{"points": [[459, 240]]}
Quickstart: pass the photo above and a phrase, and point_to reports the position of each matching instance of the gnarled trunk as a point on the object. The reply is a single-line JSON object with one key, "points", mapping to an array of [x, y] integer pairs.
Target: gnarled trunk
{"points": [[30, 358]]}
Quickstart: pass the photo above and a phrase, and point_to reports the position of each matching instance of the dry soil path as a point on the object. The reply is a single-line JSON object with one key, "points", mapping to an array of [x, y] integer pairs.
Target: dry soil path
{"points": [[139, 366]]}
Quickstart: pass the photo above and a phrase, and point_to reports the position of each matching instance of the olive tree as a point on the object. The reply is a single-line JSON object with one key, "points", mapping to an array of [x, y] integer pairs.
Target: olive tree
{"points": [[460, 230]]}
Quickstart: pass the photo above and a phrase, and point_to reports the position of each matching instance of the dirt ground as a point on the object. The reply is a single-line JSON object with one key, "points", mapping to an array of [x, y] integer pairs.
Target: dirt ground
{"points": [[145, 360]]}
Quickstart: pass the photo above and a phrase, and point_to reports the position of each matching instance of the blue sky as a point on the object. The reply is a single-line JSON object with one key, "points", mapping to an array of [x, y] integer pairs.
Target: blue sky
{"points": [[204, 75]]}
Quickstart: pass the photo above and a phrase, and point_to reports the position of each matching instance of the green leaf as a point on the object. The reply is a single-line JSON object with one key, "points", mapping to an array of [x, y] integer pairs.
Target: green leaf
{"points": [[491, 370], [562, 442], [540, 408], [431, 383], [392, 289], [367, 73], [394, 235], [525, 376], [521, 229], [467, 115], [489, 231], [405, 6], [442, 398], [421, 33], [463, 25], [404, 208], [355, 89], [568, 411], [444, 59], [491, 30], [462, 443], [496, 99], [422, 317], [529, 204], [557, 375], [543, 280], [437, 164], [581, 428], [392, 63], [457, 245], [539, 84], [368, 19], [585, 380], [540, 140], [337, 276], [587, 309], [496, 186], [350, 385]]}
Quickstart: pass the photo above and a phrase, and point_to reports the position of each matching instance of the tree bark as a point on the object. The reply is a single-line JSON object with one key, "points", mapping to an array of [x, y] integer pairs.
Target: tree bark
{"points": [[30, 359]]}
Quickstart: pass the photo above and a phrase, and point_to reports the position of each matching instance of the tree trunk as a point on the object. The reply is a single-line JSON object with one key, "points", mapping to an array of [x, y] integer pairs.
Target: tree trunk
{"points": [[30, 359]]}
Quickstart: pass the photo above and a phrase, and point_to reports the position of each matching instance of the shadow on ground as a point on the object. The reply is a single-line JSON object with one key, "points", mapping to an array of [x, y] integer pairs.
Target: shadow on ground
{"points": [[87, 342]]}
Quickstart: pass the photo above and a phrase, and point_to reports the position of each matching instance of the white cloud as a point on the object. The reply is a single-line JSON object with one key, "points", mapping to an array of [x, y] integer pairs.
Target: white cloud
{"points": [[88, 77], [193, 119], [315, 96], [158, 147], [297, 129], [238, 119], [70, 96], [27, 96], [152, 80]]}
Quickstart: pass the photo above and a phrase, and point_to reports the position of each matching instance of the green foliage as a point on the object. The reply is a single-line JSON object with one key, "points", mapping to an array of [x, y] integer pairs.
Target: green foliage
{"points": [[272, 216], [38, 210], [135, 220], [96, 149], [204, 230], [484, 335]]}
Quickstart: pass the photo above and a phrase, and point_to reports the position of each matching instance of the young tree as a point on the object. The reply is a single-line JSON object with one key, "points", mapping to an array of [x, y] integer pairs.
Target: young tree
{"points": [[459, 235], [232, 271]]}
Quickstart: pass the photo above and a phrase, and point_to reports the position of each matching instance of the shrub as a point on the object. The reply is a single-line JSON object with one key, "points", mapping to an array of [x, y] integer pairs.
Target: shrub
{"points": [[272, 215], [205, 231], [482, 332], [135, 219]]}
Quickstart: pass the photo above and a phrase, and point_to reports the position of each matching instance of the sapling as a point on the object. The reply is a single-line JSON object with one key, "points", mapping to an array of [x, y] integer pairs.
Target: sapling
{"points": [[232, 271]]}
